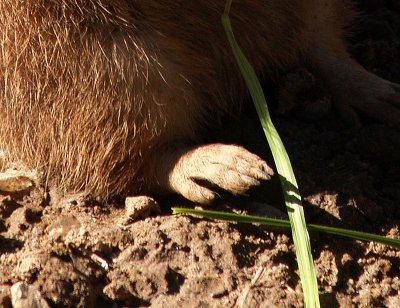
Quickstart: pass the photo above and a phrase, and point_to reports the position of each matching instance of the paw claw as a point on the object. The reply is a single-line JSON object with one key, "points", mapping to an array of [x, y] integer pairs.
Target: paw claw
{"points": [[259, 174]]}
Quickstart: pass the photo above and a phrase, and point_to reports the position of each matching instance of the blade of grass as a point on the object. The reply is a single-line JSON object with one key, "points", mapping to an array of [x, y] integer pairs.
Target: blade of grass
{"points": [[284, 223], [288, 180]]}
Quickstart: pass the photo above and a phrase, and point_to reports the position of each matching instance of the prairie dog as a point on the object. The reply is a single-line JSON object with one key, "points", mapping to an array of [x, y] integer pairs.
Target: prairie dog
{"points": [[108, 96]]}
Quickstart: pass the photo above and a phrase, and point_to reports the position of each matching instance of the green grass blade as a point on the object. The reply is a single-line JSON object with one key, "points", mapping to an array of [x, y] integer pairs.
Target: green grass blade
{"points": [[288, 180], [273, 222], [284, 223], [358, 235]]}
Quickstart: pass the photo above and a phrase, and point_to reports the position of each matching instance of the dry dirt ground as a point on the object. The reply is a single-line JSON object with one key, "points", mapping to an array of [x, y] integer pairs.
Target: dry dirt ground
{"points": [[72, 252]]}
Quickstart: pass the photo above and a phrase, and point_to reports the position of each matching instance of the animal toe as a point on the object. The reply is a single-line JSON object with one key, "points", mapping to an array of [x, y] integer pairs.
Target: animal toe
{"points": [[196, 191]]}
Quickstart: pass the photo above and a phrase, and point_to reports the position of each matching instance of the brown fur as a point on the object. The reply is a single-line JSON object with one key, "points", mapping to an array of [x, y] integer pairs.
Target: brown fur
{"points": [[103, 96]]}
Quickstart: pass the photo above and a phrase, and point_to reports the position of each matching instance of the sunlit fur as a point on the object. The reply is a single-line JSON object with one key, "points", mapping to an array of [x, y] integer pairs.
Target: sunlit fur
{"points": [[92, 91]]}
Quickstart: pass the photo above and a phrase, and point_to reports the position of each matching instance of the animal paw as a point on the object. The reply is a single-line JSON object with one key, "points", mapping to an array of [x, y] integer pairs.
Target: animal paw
{"points": [[371, 95], [229, 167]]}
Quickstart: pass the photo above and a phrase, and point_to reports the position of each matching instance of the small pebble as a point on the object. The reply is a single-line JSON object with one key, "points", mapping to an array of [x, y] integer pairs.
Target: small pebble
{"points": [[14, 182], [26, 296], [141, 206]]}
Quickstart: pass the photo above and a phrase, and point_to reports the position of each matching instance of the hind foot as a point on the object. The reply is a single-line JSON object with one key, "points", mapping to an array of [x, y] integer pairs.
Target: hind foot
{"points": [[198, 171], [371, 95], [355, 89]]}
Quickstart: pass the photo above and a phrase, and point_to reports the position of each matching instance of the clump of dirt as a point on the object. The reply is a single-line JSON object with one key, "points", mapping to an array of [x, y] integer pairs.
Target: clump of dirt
{"points": [[82, 253]]}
